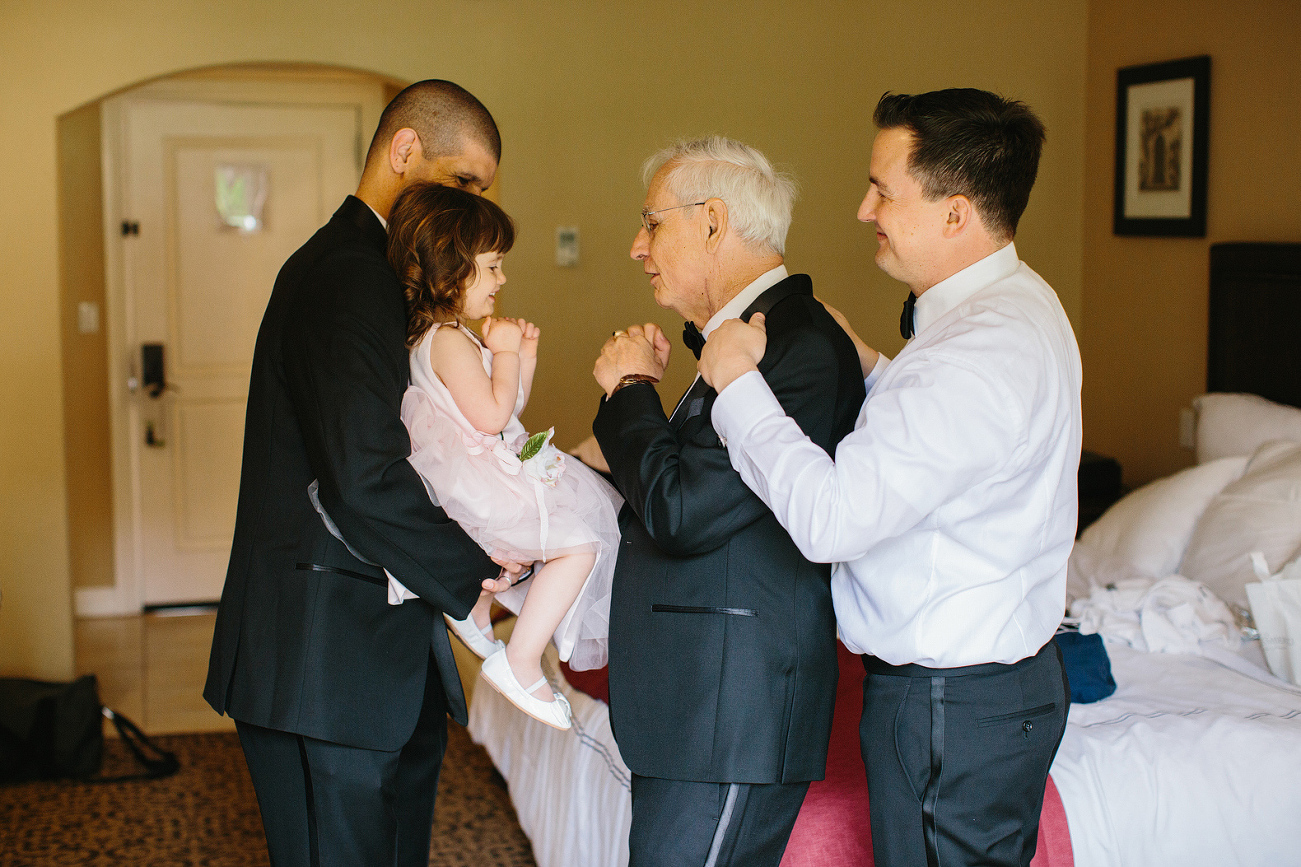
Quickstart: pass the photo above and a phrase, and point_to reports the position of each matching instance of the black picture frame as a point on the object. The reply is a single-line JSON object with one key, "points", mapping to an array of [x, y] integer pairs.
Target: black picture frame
{"points": [[1162, 134]]}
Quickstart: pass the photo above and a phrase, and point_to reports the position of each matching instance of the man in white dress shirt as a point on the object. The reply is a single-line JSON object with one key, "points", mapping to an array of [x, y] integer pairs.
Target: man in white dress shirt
{"points": [[950, 511]]}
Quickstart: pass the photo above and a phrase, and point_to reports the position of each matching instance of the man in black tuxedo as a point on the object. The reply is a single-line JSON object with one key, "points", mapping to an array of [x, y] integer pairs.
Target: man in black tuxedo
{"points": [[341, 698], [722, 636]]}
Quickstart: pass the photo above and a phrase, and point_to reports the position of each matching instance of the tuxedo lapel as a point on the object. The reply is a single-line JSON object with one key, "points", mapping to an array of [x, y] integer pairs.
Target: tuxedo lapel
{"points": [[691, 404], [796, 284]]}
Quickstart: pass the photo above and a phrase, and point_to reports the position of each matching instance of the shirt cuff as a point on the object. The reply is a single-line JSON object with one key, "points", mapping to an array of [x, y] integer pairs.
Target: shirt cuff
{"points": [[742, 405], [877, 370]]}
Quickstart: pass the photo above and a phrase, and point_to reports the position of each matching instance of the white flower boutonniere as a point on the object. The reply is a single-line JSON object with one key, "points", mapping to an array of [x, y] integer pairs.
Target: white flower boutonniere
{"points": [[541, 460]]}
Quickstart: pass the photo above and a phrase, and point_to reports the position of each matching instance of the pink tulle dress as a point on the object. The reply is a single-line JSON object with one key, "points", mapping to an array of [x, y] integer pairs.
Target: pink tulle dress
{"points": [[548, 505]]}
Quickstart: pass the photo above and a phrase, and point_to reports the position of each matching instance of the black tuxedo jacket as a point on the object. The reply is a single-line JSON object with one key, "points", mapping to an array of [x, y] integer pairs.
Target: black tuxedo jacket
{"points": [[306, 641], [722, 636]]}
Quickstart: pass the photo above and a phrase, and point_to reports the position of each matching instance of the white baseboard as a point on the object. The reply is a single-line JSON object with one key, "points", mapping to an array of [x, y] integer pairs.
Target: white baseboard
{"points": [[103, 602]]}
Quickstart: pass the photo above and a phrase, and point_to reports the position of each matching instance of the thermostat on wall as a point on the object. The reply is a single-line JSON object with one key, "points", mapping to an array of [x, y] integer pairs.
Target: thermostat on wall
{"points": [[566, 246]]}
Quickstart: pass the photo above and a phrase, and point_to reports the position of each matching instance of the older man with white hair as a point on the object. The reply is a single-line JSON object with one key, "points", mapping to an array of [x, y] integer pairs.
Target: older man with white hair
{"points": [[722, 636]]}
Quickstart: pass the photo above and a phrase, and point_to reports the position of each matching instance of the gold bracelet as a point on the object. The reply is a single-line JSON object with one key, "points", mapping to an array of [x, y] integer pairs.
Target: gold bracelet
{"points": [[631, 378]]}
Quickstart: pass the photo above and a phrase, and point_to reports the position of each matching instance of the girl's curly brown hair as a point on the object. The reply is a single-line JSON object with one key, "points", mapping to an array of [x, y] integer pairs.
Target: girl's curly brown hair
{"points": [[434, 233]]}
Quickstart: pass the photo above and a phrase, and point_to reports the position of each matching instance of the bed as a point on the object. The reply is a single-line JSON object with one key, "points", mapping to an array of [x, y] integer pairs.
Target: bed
{"points": [[1195, 758]]}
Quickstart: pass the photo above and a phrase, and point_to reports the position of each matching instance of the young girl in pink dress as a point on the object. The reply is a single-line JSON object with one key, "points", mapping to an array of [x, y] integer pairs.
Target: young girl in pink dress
{"points": [[517, 496]]}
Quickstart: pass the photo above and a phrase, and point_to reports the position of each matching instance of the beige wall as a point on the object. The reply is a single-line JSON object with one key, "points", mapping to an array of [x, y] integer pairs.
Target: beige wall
{"points": [[84, 354], [1145, 299], [583, 91]]}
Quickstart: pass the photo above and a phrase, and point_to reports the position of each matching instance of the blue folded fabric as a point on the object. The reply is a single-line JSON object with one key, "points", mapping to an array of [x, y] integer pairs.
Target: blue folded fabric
{"points": [[1088, 668]]}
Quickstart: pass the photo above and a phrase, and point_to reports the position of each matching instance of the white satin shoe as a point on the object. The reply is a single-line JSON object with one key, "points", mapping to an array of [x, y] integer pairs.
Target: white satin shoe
{"points": [[556, 713], [481, 642]]}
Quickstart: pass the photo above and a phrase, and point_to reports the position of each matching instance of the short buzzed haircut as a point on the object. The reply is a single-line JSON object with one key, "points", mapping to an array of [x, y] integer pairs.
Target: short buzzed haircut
{"points": [[972, 143], [443, 114]]}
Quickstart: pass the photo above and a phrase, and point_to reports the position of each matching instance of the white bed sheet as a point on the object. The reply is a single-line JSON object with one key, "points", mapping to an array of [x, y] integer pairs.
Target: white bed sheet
{"points": [[571, 789], [1190, 762]]}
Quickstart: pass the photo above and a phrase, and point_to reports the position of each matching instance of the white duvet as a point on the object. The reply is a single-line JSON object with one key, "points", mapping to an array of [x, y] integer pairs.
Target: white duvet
{"points": [[1190, 762], [1195, 760]]}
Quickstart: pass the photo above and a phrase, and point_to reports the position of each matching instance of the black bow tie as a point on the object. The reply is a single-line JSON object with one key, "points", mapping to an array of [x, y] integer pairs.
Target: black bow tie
{"points": [[906, 319], [692, 337]]}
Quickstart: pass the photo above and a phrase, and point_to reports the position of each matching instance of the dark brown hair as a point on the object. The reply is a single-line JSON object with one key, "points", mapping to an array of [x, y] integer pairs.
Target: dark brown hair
{"points": [[443, 114], [434, 233], [972, 143]]}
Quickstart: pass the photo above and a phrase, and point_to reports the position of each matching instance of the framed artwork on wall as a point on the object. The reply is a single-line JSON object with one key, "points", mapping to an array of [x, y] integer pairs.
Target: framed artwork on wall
{"points": [[1162, 132]]}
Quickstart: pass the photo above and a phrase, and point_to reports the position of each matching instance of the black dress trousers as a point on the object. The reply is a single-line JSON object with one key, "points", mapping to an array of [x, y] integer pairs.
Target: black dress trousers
{"points": [[329, 805], [676, 822], [957, 759]]}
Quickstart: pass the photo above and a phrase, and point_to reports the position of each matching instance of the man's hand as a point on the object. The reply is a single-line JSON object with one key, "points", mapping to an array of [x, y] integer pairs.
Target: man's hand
{"points": [[641, 349], [733, 349], [512, 572], [867, 356]]}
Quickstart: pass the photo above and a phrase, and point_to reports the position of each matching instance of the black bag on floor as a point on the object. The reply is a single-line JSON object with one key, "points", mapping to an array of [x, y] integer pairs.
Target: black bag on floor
{"points": [[51, 731]]}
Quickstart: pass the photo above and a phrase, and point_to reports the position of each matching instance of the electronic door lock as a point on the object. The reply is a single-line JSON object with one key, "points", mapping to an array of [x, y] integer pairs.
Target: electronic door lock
{"points": [[153, 372]]}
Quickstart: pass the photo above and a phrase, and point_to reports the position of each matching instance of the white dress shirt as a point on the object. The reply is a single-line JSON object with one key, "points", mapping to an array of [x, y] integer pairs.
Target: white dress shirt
{"points": [[383, 222], [743, 299], [735, 307], [951, 508]]}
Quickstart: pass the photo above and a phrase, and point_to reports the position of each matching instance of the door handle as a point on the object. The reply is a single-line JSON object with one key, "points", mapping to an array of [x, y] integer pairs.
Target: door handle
{"points": [[153, 371]]}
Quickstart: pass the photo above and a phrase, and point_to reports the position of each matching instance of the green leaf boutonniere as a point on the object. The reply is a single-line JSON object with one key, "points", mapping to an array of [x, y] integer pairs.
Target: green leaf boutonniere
{"points": [[534, 444], [541, 460]]}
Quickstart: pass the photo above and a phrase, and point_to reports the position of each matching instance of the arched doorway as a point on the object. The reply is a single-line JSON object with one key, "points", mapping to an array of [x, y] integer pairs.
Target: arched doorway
{"points": [[114, 431]]}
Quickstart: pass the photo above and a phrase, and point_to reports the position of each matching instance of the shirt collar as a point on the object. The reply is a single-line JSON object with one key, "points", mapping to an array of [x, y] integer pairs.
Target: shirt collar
{"points": [[743, 299], [952, 291], [383, 222]]}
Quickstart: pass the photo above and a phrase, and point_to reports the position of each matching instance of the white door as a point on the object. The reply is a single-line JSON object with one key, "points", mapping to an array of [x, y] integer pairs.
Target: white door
{"points": [[215, 195]]}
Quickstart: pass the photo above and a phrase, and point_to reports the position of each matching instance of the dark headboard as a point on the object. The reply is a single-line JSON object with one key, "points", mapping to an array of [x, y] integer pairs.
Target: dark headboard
{"points": [[1255, 321]]}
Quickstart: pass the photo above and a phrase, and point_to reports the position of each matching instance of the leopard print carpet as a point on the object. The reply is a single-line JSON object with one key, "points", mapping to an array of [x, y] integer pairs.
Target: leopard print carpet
{"points": [[206, 814]]}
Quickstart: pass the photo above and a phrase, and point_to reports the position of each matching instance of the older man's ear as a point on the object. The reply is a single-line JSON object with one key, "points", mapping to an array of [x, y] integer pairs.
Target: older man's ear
{"points": [[716, 220]]}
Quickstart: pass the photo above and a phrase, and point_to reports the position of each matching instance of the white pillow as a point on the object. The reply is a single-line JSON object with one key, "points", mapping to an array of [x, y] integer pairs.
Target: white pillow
{"points": [[1238, 424], [1259, 512], [1149, 528]]}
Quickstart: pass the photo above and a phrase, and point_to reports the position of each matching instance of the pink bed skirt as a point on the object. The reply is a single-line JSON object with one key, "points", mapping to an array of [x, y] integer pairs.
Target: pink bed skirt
{"points": [[833, 829]]}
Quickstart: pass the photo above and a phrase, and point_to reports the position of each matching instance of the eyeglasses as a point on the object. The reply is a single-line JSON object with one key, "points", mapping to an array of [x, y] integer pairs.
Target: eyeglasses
{"points": [[646, 215]]}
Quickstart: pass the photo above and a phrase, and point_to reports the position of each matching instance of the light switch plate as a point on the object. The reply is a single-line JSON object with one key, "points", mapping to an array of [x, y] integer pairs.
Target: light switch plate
{"points": [[88, 317]]}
